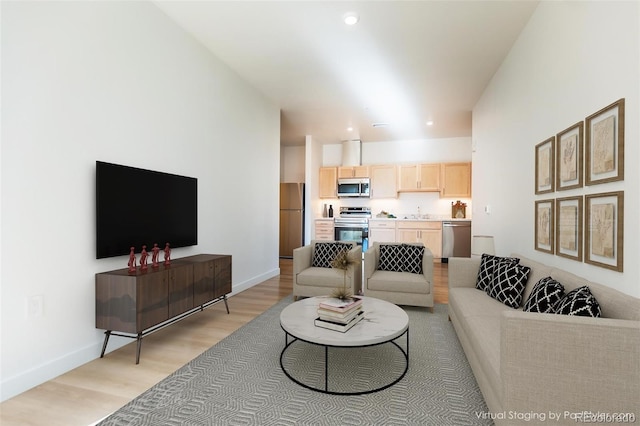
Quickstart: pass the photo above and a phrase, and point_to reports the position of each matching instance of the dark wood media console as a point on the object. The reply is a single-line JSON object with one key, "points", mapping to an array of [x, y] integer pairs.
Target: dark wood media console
{"points": [[134, 305]]}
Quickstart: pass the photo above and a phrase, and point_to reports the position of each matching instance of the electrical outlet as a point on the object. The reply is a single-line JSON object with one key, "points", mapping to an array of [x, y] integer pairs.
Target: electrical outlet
{"points": [[35, 306]]}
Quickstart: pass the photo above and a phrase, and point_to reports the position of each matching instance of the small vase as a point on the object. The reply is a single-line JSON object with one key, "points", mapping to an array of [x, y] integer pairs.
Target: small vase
{"points": [[324, 211], [330, 210]]}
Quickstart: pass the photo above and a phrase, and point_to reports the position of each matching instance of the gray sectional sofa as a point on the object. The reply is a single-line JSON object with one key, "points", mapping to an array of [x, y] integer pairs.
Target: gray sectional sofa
{"points": [[545, 367]]}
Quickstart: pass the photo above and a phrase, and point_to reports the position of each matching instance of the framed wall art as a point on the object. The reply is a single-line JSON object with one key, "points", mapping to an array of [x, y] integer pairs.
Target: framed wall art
{"points": [[604, 230], [544, 230], [545, 166], [569, 149], [604, 145], [569, 227]]}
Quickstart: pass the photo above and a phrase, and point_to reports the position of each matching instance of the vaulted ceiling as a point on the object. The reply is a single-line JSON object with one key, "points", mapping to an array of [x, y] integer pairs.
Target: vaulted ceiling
{"points": [[404, 63]]}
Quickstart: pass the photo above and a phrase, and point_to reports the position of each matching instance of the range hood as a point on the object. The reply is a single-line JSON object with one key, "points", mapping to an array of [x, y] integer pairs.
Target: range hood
{"points": [[352, 153]]}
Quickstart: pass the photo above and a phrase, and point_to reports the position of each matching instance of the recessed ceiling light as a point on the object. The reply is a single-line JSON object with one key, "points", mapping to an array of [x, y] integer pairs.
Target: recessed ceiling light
{"points": [[351, 18], [430, 123], [349, 129]]}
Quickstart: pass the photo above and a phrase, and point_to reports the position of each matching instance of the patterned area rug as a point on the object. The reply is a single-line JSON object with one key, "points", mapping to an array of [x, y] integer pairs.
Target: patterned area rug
{"points": [[239, 382]]}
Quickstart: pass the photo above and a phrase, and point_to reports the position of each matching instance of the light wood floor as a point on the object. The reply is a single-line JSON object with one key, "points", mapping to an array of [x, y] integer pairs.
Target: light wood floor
{"points": [[94, 390]]}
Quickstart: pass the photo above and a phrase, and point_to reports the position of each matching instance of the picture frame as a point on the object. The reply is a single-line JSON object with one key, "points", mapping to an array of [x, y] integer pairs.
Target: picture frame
{"points": [[604, 230], [569, 157], [569, 227], [545, 166], [604, 145], [544, 226]]}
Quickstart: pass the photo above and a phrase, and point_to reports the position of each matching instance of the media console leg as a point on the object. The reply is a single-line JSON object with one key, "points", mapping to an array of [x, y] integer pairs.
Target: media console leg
{"points": [[139, 339], [225, 302], [106, 340]]}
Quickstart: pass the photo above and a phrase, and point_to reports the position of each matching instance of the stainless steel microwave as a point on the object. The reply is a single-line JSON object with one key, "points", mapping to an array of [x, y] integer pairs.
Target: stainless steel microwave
{"points": [[353, 187]]}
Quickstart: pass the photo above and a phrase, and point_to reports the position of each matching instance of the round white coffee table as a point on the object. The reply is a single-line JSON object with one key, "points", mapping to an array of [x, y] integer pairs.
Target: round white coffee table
{"points": [[383, 323]]}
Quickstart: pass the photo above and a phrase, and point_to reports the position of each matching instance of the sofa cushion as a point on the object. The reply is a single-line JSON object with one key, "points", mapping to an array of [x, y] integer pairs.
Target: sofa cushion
{"points": [[544, 296], [399, 282], [578, 302], [509, 280], [413, 258], [487, 267], [391, 257], [401, 258], [324, 253]]}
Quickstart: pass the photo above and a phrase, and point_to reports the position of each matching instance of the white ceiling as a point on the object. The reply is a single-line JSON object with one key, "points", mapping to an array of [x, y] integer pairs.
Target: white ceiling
{"points": [[404, 63]]}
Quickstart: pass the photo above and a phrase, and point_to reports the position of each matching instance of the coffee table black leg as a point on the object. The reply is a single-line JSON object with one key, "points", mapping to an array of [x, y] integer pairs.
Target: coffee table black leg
{"points": [[326, 368]]}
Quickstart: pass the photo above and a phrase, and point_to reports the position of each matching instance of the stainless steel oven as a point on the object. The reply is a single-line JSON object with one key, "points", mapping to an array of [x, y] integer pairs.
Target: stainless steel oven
{"points": [[353, 225]]}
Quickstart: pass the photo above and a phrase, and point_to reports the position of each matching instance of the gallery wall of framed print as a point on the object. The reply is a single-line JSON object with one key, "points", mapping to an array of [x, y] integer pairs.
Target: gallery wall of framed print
{"points": [[569, 227], [569, 149], [545, 166], [544, 226], [604, 229], [604, 145]]}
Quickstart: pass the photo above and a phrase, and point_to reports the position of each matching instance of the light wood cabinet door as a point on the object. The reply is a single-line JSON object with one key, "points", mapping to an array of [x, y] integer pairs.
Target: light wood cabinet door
{"points": [[384, 183], [408, 178], [429, 177], [324, 229], [456, 180], [428, 233], [328, 181], [432, 239], [419, 178]]}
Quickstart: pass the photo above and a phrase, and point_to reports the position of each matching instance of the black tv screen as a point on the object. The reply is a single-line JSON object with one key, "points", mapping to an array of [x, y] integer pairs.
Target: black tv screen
{"points": [[136, 207]]}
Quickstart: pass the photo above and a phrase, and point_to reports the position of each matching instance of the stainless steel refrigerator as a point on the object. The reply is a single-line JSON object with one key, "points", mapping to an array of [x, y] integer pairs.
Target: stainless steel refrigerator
{"points": [[291, 217]]}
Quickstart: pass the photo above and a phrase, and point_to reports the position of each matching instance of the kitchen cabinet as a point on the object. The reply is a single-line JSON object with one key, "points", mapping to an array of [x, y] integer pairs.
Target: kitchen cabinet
{"points": [[382, 231], [456, 180], [324, 229], [384, 181], [353, 171], [419, 177], [328, 182], [428, 233]]}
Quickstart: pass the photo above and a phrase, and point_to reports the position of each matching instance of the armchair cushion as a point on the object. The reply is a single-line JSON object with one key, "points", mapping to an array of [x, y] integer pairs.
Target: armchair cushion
{"points": [[391, 257], [324, 253]]}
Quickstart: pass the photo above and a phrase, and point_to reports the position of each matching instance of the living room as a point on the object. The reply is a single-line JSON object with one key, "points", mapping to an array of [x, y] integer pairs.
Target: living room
{"points": [[121, 82]]}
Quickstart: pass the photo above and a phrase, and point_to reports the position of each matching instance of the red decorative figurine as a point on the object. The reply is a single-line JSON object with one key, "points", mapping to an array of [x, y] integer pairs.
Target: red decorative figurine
{"points": [[143, 258], [132, 261], [167, 255], [154, 257]]}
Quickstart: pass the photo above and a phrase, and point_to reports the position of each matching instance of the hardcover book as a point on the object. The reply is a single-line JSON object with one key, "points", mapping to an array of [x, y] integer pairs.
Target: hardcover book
{"points": [[332, 325]]}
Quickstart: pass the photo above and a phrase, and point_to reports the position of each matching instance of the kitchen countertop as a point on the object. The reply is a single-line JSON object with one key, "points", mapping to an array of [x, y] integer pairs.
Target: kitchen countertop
{"points": [[407, 219]]}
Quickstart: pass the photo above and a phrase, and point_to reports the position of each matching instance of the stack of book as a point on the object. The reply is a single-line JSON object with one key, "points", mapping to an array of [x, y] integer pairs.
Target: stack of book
{"points": [[339, 315]]}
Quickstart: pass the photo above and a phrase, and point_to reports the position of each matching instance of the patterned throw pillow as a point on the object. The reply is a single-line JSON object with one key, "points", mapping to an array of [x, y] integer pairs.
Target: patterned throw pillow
{"points": [[509, 280], [544, 296], [391, 257], [578, 302], [487, 266], [413, 258], [324, 253]]}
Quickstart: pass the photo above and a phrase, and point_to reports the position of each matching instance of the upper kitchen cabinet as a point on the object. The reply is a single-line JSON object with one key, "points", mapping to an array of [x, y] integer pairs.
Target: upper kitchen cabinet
{"points": [[353, 171], [419, 178], [456, 180], [384, 181], [328, 182]]}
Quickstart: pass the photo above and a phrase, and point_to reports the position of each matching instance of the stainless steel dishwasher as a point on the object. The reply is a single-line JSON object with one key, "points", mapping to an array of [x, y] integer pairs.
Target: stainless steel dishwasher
{"points": [[456, 239]]}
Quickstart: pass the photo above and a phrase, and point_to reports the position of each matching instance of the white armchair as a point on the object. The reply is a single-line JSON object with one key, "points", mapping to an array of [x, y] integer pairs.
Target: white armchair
{"points": [[403, 277], [313, 275]]}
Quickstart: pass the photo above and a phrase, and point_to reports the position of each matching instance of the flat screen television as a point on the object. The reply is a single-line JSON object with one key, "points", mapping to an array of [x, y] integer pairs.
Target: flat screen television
{"points": [[136, 207]]}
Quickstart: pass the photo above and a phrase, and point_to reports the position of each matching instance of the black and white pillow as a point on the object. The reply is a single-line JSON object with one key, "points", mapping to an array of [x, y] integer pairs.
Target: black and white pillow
{"points": [[509, 281], [487, 267], [391, 258], [324, 253], [544, 295], [413, 258], [578, 302]]}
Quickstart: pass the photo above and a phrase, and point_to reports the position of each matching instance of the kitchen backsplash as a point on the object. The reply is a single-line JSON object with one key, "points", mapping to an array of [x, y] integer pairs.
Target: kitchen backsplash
{"points": [[427, 205]]}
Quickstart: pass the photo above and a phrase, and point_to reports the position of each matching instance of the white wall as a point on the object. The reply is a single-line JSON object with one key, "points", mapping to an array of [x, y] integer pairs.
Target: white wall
{"points": [[119, 82], [572, 59], [292, 164]]}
